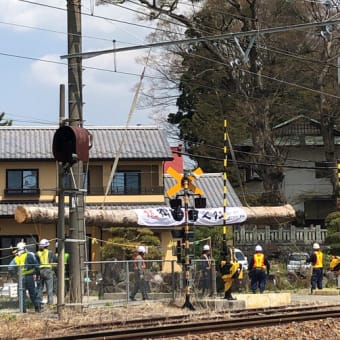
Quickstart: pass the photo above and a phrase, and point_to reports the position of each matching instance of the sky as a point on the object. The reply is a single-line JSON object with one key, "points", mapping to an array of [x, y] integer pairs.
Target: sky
{"points": [[34, 36]]}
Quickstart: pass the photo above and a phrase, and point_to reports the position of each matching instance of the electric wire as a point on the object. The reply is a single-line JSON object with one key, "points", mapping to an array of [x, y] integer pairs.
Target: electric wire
{"points": [[282, 52], [255, 162], [196, 55], [95, 16], [144, 14], [83, 66], [237, 151], [54, 31]]}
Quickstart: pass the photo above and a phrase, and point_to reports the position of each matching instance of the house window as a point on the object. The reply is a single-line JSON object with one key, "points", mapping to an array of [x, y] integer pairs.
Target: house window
{"points": [[324, 169], [126, 182], [22, 182], [69, 181]]}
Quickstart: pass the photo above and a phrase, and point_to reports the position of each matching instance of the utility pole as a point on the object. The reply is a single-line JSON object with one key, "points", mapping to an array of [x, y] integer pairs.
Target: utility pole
{"points": [[61, 218], [76, 194], [186, 264]]}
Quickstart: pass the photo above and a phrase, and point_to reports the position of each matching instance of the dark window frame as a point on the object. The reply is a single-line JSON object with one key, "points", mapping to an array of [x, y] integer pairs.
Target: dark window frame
{"points": [[23, 188], [126, 182], [324, 169]]}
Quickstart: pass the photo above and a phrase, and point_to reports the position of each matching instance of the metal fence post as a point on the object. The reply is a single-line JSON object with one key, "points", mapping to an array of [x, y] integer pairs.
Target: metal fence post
{"points": [[173, 279], [20, 290], [127, 281], [213, 277]]}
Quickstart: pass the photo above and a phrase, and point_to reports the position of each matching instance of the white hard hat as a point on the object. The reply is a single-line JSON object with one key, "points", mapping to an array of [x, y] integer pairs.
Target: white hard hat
{"points": [[258, 248], [44, 243], [316, 246], [141, 249], [206, 247], [21, 246]]}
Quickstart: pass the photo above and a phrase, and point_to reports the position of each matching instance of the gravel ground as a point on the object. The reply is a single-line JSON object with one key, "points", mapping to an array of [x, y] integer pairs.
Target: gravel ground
{"points": [[310, 330], [47, 324]]}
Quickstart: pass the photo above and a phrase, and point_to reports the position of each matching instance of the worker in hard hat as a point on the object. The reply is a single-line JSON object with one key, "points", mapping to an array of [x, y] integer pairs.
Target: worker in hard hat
{"points": [[139, 267], [47, 263], [335, 267], [230, 270], [26, 264], [206, 271], [316, 259], [259, 268]]}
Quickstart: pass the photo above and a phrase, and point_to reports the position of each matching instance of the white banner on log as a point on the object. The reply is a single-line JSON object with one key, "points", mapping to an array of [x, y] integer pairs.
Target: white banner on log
{"points": [[206, 217]]}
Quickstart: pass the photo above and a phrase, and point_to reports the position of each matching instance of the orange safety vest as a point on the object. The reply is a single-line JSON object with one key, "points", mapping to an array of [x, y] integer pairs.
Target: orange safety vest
{"points": [[137, 259], [319, 259], [259, 261]]}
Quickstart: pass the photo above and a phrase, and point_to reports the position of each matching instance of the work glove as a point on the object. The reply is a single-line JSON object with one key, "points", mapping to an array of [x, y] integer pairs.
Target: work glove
{"points": [[141, 276]]}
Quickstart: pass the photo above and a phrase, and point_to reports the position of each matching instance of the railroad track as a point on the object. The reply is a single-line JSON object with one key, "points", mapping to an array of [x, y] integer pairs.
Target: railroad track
{"points": [[184, 324]]}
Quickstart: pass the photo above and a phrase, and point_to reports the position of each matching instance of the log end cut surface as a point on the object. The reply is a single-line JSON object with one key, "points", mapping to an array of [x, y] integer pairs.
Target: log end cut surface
{"points": [[21, 215]]}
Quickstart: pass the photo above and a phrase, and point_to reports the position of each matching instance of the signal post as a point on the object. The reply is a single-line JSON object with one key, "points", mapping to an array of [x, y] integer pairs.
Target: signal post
{"points": [[184, 184]]}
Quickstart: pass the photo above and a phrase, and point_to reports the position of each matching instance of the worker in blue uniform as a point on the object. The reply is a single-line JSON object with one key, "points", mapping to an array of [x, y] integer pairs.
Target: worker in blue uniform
{"points": [[259, 268], [26, 263], [316, 259]]}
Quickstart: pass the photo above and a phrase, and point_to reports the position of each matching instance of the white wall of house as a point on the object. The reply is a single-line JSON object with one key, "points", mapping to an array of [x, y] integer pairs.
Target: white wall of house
{"points": [[300, 180]]}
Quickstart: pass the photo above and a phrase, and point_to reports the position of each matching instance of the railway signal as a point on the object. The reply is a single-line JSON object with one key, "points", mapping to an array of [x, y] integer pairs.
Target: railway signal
{"points": [[185, 185], [71, 144]]}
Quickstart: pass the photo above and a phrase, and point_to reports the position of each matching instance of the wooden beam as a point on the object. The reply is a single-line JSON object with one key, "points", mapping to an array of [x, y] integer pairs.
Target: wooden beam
{"points": [[128, 218]]}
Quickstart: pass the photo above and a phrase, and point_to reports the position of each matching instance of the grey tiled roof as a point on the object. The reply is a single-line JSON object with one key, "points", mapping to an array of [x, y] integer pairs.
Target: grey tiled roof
{"points": [[212, 186], [139, 142], [7, 208], [210, 183]]}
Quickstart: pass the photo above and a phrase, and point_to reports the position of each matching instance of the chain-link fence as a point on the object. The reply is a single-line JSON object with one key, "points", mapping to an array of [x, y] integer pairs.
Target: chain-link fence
{"points": [[163, 280], [112, 282], [9, 290]]}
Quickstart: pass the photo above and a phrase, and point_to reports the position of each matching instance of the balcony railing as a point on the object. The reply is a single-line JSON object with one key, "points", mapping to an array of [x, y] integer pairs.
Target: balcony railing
{"points": [[146, 190], [21, 191]]}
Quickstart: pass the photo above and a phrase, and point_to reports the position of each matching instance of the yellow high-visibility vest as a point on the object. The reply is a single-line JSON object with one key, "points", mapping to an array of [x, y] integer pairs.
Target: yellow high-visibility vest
{"points": [[20, 260], [43, 256], [319, 259]]}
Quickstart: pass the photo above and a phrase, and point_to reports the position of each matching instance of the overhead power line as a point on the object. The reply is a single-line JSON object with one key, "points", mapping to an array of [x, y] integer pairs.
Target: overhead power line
{"points": [[86, 55], [96, 16]]}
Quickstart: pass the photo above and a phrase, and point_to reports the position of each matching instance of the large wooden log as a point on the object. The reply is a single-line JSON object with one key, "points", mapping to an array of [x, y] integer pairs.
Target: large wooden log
{"points": [[129, 218], [28, 214], [270, 215]]}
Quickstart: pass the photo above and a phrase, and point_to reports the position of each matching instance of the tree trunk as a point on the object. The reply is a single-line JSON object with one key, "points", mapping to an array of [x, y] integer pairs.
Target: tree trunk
{"points": [[128, 218]]}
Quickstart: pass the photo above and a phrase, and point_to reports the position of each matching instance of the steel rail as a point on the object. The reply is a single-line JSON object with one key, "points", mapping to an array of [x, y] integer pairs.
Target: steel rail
{"points": [[205, 326], [201, 316]]}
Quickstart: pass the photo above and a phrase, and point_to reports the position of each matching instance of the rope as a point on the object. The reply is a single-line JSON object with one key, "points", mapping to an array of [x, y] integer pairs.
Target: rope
{"points": [[132, 108]]}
